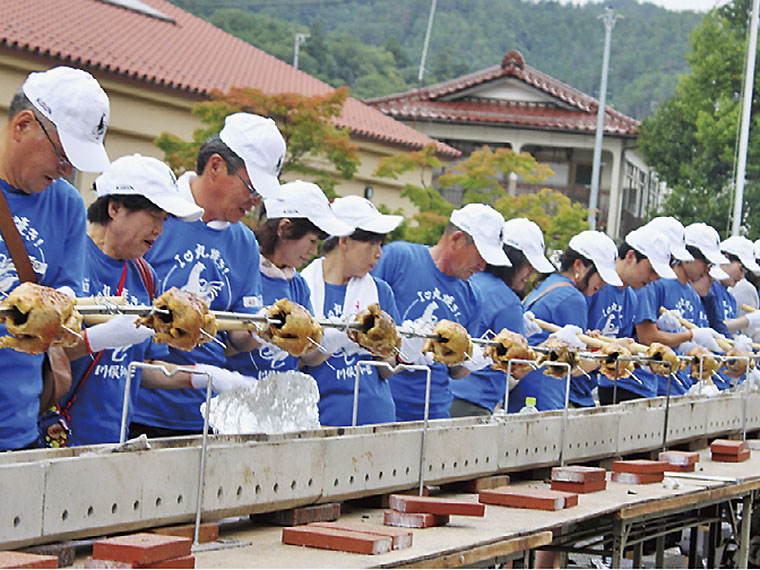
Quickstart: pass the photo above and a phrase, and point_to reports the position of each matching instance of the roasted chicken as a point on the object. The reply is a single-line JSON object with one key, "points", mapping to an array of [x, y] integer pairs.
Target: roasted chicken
{"points": [[39, 319], [704, 360], [559, 352], [377, 332], [618, 352], [511, 346], [181, 327], [292, 329], [737, 368], [452, 344], [666, 356]]}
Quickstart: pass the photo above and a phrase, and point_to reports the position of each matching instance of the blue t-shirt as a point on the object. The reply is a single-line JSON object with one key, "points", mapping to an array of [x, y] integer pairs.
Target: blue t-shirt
{"points": [[671, 294], [220, 265], [612, 312], [563, 305], [336, 376], [423, 291], [52, 225], [499, 308], [94, 404], [261, 362], [724, 307]]}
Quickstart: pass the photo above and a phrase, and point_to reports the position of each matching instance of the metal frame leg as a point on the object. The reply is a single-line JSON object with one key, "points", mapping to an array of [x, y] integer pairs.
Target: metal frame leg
{"points": [[743, 554], [618, 543]]}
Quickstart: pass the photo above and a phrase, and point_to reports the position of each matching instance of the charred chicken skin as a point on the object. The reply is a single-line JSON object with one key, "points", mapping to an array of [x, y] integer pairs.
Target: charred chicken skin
{"points": [[181, 328], [618, 352], [452, 345], [294, 330], [560, 352], [38, 317], [667, 357], [737, 368], [511, 346], [377, 332], [709, 365]]}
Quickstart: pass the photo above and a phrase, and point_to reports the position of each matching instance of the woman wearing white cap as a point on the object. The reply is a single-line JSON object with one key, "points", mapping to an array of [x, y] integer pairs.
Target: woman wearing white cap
{"points": [[745, 292], [702, 245], [135, 195], [586, 264], [498, 290], [341, 287], [297, 220]]}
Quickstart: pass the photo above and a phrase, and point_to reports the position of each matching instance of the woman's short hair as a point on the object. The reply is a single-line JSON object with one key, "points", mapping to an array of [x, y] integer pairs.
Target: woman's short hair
{"points": [[358, 235], [97, 212], [268, 237], [568, 259], [506, 273]]}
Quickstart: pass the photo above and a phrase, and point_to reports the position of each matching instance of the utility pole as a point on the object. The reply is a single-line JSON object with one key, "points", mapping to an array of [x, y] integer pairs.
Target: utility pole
{"points": [[300, 38], [749, 81], [609, 19], [425, 45]]}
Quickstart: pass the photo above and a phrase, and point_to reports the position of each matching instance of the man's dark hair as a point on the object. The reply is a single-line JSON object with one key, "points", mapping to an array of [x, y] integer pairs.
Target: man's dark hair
{"points": [[625, 247], [358, 235], [214, 145], [566, 261], [97, 213], [696, 253], [266, 233], [505, 273], [20, 102]]}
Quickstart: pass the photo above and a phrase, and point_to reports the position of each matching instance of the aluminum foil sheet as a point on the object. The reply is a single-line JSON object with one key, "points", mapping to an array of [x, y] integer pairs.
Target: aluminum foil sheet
{"points": [[278, 403]]}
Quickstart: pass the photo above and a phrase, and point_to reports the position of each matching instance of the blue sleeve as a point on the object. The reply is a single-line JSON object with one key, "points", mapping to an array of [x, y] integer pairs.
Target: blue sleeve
{"points": [[250, 298], [388, 265], [510, 318], [648, 304], [387, 300], [303, 293], [714, 314], [572, 310], [71, 272]]}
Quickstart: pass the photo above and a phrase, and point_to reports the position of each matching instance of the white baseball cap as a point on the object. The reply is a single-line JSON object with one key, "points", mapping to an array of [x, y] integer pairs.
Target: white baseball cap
{"points": [[706, 239], [483, 224], [525, 235], [138, 175], [299, 199], [655, 246], [258, 141], [361, 214], [742, 248], [717, 273], [756, 249], [76, 104], [600, 249], [674, 232]]}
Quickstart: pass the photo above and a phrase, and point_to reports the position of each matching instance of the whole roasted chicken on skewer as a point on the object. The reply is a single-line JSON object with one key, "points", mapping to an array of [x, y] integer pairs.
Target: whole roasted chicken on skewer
{"points": [[39, 319], [187, 324], [511, 346], [376, 332], [709, 366], [666, 356], [559, 352], [737, 368], [452, 345], [291, 327], [618, 353]]}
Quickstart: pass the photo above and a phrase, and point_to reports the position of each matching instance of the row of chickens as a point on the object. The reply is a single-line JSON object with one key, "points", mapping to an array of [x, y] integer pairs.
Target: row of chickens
{"points": [[38, 317]]}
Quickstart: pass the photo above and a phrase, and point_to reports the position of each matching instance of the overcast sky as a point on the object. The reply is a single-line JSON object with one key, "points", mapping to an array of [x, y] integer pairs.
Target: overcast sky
{"points": [[699, 5]]}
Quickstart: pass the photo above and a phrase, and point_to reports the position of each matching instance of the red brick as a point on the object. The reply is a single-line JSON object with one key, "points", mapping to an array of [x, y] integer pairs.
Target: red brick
{"points": [[335, 539], [639, 466], [401, 538], [728, 447], [578, 474], [302, 515], [679, 458], [208, 532], [142, 548], [414, 520], [637, 478], [529, 498], [12, 559], [683, 468], [731, 458], [482, 483], [570, 487], [181, 562], [435, 506]]}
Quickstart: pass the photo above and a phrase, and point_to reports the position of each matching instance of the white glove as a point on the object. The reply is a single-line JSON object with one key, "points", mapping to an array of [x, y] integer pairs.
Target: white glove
{"points": [[333, 340], [222, 380], [569, 335], [668, 321], [478, 360], [754, 319], [685, 347], [531, 327], [117, 332], [706, 337], [743, 342]]}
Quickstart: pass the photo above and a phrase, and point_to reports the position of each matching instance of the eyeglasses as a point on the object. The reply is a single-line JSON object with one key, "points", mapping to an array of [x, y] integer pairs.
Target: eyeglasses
{"points": [[248, 185], [63, 162]]}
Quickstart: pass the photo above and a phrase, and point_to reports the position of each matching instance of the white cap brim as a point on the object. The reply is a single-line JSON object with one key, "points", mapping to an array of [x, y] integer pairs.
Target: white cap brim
{"points": [[717, 273], [608, 274], [87, 156], [176, 206], [381, 224], [493, 255], [664, 270], [715, 257], [748, 263], [682, 254], [263, 182], [539, 262], [331, 225]]}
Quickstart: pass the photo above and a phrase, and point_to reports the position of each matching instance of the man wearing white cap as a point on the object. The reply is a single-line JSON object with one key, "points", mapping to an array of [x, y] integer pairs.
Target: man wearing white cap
{"points": [[430, 284], [56, 123], [498, 289], [643, 257], [586, 265], [216, 257], [703, 246]]}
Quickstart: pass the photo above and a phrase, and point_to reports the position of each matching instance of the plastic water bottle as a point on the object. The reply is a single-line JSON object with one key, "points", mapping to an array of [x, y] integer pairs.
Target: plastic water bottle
{"points": [[529, 407]]}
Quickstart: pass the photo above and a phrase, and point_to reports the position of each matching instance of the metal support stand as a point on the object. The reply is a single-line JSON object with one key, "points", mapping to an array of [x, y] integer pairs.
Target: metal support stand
{"points": [[562, 454], [532, 363], [394, 369], [744, 538]]}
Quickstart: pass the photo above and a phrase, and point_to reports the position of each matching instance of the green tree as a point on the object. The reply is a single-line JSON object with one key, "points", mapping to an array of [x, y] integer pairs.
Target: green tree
{"points": [[305, 124], [691, 138]]}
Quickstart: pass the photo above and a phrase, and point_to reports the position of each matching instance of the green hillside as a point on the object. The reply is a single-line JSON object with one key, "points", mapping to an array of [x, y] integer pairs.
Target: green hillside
{"points": [[375, 45]]}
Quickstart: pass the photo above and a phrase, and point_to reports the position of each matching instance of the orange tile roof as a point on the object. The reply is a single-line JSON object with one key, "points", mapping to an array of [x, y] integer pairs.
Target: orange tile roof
{"points": [[574, 111], [187, 55]]}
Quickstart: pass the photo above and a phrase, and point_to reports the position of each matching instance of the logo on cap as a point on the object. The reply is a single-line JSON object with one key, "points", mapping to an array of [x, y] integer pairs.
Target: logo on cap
{"points": [[100, 130], [279, 164], [43, 106]]}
